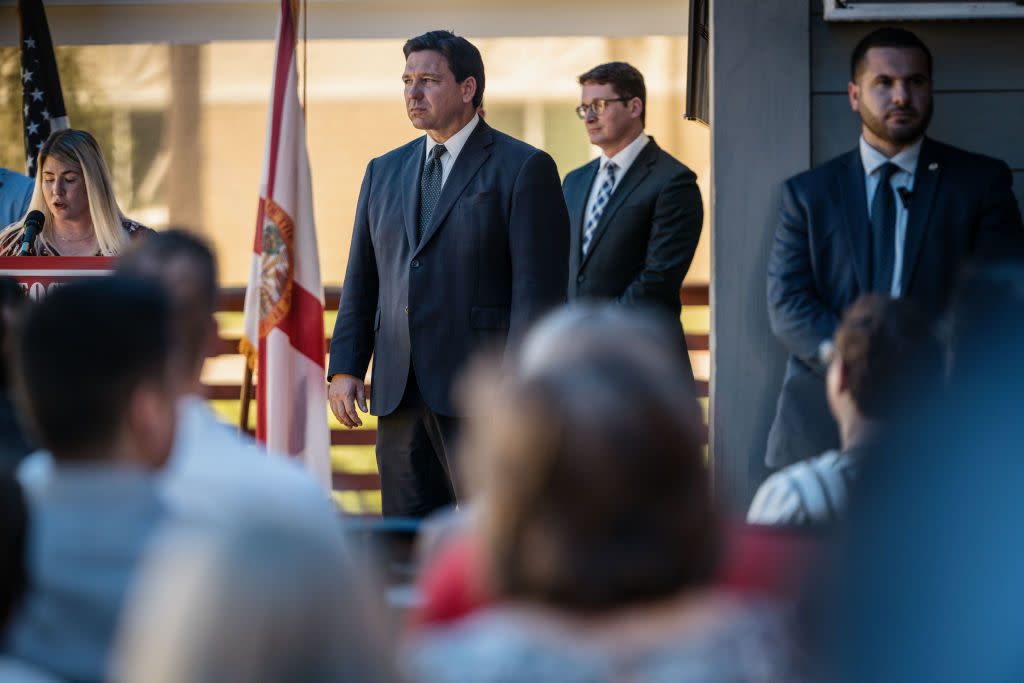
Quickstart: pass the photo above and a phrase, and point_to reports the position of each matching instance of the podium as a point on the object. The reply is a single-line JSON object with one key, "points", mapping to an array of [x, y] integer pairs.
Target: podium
{"points": [[40, 275]]}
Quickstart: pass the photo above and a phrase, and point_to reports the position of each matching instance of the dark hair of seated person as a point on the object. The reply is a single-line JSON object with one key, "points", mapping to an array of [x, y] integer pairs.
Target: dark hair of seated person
{"points": [[591, 479], [890, 354], [13, 523], [84, 352]]}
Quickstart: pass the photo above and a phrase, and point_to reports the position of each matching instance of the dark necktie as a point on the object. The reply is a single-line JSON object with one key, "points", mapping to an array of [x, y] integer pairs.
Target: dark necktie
{"points": [[430, 189], [883, 231]]}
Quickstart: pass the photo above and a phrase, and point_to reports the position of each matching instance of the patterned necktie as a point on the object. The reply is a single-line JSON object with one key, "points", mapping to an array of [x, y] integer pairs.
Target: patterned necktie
{"points": [[883, 231], [600, 201], [430, 189]]}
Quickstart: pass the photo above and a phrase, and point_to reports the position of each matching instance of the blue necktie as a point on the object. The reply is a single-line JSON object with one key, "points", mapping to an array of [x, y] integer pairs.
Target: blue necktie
{"points": [[883, 231], [430, 189], [597, 208]]}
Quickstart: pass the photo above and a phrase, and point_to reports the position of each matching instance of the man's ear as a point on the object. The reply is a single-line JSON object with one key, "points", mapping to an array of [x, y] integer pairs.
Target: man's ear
{"points": [[151, 422], [853, 92], [636, 108], [468, 87]]}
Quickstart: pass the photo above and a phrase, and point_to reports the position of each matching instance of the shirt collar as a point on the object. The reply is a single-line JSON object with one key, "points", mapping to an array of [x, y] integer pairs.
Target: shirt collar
{"points": [[906, 159], [455, 143], [625, 158]]}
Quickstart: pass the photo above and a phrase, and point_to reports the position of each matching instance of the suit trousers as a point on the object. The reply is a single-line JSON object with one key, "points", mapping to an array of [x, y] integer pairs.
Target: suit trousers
{"points": [[415, 457]]}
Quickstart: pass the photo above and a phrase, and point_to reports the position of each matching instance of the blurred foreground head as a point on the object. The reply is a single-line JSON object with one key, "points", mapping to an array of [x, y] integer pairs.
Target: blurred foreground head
{"points": [[269, 598], [591, 476], [94, 371], [927, 587], [185, 265]]}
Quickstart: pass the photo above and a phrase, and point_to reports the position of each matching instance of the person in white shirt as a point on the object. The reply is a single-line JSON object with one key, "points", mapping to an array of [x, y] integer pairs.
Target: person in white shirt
{"points": [[212, 470], [884, 359]]}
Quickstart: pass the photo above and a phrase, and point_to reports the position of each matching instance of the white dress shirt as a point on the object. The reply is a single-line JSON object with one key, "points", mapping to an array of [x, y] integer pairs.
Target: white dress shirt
{"points": [[623, 160], [906, 161], [453, 146]]}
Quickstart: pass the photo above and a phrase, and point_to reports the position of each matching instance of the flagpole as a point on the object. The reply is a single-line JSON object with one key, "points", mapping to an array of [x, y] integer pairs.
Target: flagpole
{"points": [[305, 66]]}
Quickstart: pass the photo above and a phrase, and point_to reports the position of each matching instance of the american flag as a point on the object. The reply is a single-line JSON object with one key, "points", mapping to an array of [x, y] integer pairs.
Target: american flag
{"points": [[42, 101]]}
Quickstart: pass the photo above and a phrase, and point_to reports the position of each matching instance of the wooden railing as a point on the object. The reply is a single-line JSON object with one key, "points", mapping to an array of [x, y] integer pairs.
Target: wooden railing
{"points": [[232, 299]]}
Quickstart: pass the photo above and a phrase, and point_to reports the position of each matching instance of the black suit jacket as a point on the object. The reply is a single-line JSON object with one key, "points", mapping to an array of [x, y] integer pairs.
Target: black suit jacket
{"points": [[646, 237], [492, 260], [962, 207]]}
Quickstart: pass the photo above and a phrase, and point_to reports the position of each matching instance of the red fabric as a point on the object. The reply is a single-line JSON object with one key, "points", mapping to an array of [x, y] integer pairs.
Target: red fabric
{"points": [[451, 585], [759, 560], [768, 560]]}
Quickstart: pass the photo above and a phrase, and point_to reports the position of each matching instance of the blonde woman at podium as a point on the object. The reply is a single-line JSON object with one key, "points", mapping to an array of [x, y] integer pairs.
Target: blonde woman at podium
{"points": [[74, 195]]}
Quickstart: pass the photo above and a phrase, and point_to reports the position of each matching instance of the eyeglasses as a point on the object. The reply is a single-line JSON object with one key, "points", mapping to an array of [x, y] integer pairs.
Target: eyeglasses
{"points": [[597, 106]]}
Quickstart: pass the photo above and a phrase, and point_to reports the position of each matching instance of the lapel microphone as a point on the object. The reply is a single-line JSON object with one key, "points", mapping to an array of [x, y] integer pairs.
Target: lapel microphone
{"points": [[905, 196]]}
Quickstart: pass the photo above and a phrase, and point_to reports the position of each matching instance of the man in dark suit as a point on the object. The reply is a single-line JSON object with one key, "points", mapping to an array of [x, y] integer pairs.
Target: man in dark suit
{"points": [[460, 241], [899, 215], [635, 212]]}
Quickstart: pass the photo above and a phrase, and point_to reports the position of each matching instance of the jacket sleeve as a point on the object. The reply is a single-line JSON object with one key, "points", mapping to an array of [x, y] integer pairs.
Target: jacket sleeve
{"points": [[799, 316], [352, 341], [538, 243], [1000, 231], [675, 231]]}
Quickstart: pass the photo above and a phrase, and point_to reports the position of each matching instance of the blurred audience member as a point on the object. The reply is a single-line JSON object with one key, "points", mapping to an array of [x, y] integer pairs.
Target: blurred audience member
{"points": [[598, 534], [75, 195], [13, 521], [14, 445], [212, 471], [93, 374], [927, 586], [271, 598], [15, 194], [884, 356]]}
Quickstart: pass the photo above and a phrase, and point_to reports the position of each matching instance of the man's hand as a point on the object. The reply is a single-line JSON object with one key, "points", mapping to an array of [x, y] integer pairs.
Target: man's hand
{"points": [[344, 393]]}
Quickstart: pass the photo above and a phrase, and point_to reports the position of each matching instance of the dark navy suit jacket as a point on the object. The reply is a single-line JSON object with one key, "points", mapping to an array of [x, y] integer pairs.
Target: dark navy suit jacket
{"points": [[645, 239], [493, 259], [962, 208]]}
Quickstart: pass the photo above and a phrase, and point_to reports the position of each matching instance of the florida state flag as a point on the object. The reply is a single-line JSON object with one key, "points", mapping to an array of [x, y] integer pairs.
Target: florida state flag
{"points": [[284, 302]]}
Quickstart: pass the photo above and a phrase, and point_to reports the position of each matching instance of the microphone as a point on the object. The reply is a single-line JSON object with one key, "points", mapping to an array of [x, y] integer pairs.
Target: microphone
{"points": [[33, 225], [905, 196]]}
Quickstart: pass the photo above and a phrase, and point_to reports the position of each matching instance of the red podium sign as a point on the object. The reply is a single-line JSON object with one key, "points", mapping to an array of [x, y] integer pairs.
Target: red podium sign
{"points": [[40, 275]]}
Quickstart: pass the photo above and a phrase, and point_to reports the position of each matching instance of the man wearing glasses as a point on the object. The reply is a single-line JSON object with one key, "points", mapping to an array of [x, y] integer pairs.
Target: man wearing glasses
{"points": [[635, 212]]}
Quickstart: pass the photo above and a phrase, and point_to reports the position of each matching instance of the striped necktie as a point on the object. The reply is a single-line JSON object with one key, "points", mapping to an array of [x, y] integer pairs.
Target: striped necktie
{"points": [[600, 201]]}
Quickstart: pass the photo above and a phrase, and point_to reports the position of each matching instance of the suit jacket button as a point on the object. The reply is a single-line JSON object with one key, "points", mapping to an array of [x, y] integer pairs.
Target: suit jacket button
{"points": [[581, 278], [407, 310], [415, 263]]}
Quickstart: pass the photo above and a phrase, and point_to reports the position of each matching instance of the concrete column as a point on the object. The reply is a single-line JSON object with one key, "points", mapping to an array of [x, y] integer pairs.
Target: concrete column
{"points": [[760, 118]]}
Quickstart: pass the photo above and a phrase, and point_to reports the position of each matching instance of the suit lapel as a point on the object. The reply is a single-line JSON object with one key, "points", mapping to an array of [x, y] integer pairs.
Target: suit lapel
{"points": [[412, 169], [578, 208], [926, 181], [471, 158], [854, 209], [636, 174]]}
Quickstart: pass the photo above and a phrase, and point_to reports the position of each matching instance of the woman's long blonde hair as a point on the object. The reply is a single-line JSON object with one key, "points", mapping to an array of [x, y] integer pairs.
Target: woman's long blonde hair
{"points": [[79, 149]]}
